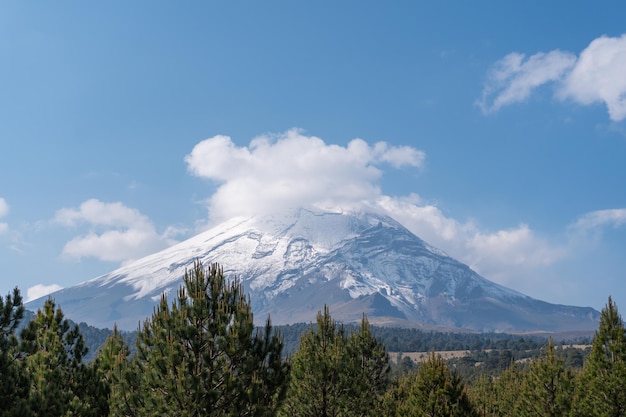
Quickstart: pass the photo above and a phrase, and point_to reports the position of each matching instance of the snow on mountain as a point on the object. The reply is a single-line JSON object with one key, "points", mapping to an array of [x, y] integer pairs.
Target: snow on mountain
{"points": [[293, 263]]}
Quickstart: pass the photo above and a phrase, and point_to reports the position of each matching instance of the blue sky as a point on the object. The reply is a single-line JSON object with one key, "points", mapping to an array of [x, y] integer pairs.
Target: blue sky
{"points": [[496, 132]]}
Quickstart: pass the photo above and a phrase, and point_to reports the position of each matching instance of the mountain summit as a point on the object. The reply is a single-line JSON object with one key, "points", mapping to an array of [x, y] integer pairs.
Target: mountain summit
{"points": [[292, 264]]}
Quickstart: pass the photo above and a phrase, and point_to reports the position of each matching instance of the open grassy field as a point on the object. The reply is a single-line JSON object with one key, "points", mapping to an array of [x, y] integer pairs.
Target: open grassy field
{"points": [[422, 356], [453, 354]]}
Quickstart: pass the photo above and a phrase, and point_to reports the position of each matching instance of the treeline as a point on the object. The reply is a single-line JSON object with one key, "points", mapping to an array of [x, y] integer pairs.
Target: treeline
{"points": [[201, 355], [416, 340], [395, 339]]}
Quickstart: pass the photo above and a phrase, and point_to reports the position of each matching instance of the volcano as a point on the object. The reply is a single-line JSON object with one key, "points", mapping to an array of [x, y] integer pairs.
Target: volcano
{"points": [[292, 264]]}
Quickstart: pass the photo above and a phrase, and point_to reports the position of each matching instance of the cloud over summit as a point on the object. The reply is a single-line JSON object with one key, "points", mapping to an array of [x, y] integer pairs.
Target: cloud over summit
{"points": [[292, 169]]}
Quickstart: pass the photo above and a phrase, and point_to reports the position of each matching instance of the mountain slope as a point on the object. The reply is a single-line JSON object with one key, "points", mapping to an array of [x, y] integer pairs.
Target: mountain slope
{"points": [[292, 264]]}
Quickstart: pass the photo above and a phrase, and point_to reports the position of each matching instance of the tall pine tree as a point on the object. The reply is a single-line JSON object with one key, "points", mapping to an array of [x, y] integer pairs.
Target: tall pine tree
{"points": [[14, 382], [498, 396], [61, 384], [547, 387], [201, 356], [600, 389], [433, 392], [482, 394], [334, 374], [368, 370], [317, 387], [121, 378]]}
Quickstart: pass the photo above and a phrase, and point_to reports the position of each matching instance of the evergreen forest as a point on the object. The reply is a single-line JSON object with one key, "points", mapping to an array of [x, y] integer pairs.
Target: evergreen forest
{"points": [[201, 355]]}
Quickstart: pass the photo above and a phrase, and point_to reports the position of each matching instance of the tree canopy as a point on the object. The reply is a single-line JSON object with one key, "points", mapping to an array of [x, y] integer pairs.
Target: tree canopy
{"points": [[200, 356]]}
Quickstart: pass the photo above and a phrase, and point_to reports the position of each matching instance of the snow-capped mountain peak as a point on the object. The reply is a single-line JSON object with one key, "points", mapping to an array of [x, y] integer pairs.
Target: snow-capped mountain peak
{"points": [[292, 263]]}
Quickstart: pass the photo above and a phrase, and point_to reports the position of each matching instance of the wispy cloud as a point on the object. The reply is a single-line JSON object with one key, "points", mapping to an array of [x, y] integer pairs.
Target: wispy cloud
{"points": [[595, 76], [117, 232], [600, 219], [513, 78]]}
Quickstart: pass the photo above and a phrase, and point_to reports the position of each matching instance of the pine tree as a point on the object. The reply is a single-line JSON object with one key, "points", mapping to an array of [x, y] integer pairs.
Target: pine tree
{"points": [[337, 374], [600, 389], [498, 396], [201, 356], [13, 378], [11, 313], [507, 392], [317, 385], [61, 383], [482, 394], [367, 376], [547, 387], [121, 378], [433, 392]]}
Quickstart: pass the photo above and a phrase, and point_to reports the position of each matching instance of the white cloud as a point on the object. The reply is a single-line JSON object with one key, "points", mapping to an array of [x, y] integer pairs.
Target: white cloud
{"points": [[517, 257], [399, 156], [595, 76], [425, 220], [599, 219], [512, 79], [291, 169], [4, 210], [507, 256], [599, 76], [4, 207], [119, 233], [104, 214], [40, 290]]}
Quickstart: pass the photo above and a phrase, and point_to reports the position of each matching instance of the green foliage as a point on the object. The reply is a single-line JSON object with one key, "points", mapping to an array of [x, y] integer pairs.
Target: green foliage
{"points": [[547, 387], [499, 396], [600, 388], [573, 358], [506, 392], [416, 340], [482, 394], [60, 383], [317, 385], [199, 357], [122, 379], [13, 378], [432, 391], [11, 312], [368, 371], [397, 339], [202, 355], [403, 365], [94, 339], [334, 374]]}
